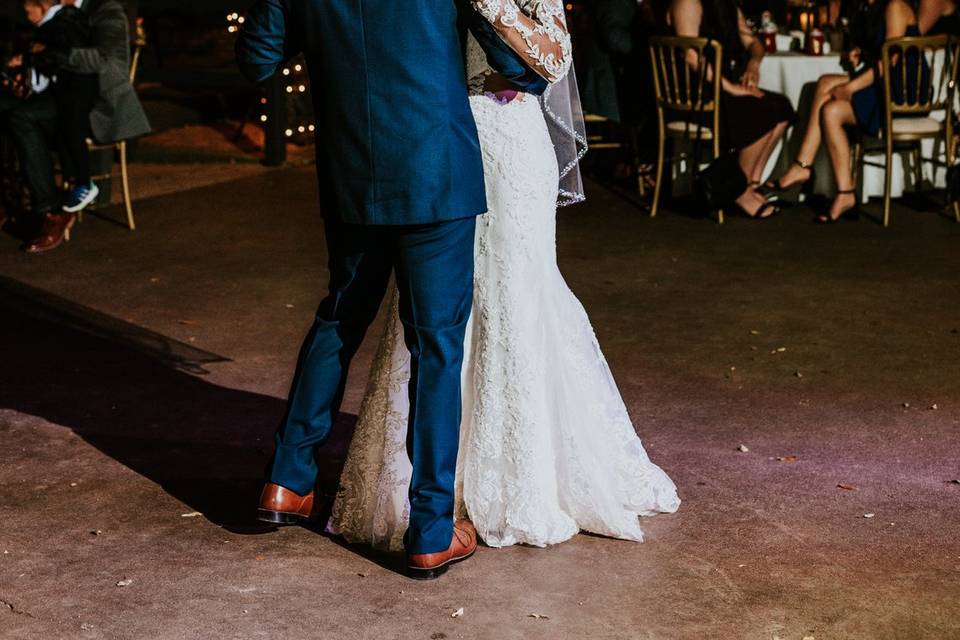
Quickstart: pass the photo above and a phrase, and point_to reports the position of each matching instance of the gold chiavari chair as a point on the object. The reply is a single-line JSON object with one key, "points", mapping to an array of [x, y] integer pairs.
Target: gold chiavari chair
{"points": [[683, 79], [912, 106], [139, 42]]}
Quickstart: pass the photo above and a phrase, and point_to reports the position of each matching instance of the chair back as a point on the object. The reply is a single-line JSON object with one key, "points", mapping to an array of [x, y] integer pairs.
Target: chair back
{"points": [[139, 42], [920, 74], [686, 73]]}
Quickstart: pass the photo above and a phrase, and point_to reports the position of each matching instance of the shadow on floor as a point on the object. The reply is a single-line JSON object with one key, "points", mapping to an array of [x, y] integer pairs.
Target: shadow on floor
{"points": [[139, 397]]}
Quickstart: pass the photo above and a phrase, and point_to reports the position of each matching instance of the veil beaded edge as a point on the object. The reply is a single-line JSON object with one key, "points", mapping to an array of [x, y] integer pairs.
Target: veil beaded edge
{"points": [[564, 116]]}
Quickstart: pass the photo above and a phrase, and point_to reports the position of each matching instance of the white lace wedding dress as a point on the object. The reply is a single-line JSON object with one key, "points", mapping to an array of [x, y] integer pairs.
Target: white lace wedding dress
{"points": [[546, 445]]}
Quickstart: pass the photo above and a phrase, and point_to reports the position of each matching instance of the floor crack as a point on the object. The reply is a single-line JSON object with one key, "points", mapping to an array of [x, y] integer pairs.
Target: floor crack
{"points": [[14, 609]]}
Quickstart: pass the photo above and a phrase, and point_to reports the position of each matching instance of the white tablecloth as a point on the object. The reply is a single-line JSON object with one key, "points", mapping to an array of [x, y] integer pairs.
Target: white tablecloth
{"points": [[788, 73]]}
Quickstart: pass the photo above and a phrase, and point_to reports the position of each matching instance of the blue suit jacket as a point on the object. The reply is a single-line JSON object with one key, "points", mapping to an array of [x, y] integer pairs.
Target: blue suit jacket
{"points": [[396, 141]]}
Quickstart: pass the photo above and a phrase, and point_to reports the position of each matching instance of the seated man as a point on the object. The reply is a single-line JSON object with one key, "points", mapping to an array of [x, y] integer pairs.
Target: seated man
{"points": [[117, 113]]}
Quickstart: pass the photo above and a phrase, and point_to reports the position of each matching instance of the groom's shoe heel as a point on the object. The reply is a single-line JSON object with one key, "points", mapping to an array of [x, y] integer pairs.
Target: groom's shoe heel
{"points": [[427, 574], [277, 517], [429, 566], [279, 505]]}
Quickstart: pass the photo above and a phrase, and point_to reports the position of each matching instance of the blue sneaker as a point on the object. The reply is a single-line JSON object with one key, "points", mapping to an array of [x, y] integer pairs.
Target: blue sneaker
{"points": [[81, 196]]}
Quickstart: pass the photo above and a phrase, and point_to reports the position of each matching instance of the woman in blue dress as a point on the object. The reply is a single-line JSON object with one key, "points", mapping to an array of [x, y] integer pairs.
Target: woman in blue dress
{"points": [[853, 99]]}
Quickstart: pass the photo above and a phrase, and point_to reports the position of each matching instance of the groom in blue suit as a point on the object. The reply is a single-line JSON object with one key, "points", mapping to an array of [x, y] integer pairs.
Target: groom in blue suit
{"points": [[401, 184]]}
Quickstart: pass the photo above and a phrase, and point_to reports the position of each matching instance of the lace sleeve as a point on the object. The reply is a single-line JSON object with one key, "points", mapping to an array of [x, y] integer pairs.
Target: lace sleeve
{"points": [[535, 29]]}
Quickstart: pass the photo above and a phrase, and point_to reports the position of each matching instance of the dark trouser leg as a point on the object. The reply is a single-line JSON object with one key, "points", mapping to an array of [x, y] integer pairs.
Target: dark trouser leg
{"points": [[32, 125], [435, 279], [360, 266], [7, 156], [74, 102]]}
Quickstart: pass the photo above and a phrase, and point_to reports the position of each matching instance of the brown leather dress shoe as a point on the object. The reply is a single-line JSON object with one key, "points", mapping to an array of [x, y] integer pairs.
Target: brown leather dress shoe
{"points": [[279, 505], [56, 228], [428, 566]]}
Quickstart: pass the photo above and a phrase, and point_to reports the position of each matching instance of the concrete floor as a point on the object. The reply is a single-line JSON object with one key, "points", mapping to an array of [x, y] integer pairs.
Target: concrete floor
{"points": [[143, 374]]}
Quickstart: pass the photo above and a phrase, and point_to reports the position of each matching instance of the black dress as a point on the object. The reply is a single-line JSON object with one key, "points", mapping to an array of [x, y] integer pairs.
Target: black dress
{"points": [[743, 119], [946, 25], [868, 103]]}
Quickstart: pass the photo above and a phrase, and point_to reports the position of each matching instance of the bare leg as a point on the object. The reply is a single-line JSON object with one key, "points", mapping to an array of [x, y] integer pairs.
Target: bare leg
{"points": [[770, 140], [811, 138], [750, 155], [753, 159], [836, 114]]}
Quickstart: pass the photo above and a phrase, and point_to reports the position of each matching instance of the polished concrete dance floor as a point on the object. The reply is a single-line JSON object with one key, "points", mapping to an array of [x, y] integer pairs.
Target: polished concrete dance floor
{"points": [[142, 376]]}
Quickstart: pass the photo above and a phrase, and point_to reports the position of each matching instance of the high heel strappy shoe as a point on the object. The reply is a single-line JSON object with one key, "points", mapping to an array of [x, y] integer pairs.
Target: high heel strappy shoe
{"points": [[850, 215], [760, 188], [775, 186], [761, 213]]}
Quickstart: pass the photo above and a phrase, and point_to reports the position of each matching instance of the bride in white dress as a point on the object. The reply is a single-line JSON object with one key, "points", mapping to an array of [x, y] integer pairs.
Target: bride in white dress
{"points": [[546, 445]]}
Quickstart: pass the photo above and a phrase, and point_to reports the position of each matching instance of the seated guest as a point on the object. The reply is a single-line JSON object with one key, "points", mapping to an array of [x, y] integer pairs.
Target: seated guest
{"points": [[854, 99], [752, 121], [938, 17], [117, 113], [623, 31], [598, 88], [60, 28]]}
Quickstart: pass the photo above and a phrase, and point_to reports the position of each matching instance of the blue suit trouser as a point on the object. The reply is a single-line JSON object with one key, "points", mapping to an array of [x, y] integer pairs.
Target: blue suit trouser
{"points": [[434, 273]]}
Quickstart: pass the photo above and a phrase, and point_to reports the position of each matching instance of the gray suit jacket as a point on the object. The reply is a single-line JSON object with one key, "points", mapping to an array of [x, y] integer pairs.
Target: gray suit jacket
{"points": [[117, 114]]}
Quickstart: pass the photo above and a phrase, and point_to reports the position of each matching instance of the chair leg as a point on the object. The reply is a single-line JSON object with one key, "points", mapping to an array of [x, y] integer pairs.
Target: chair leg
{"points": [[917, 168], [950, 143], [661, 148], [888, 173], [635, 155], [857, 171], [716, 154], [125, 181]]}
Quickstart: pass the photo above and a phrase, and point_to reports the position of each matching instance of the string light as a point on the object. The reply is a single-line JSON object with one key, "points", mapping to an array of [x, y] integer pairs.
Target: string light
{"points": [[296, 83]]}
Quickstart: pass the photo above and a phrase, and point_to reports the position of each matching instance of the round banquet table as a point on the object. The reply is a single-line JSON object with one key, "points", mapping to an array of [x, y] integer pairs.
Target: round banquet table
{"points": [[794, 76]]}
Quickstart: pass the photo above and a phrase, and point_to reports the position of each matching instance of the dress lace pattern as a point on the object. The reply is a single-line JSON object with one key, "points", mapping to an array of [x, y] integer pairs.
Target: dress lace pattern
{"points": [[546, 445]]}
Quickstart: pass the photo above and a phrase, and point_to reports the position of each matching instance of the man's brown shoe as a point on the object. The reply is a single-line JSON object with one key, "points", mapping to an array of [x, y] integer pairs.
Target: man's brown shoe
{"points": [[56, 229], [279, 505], [427, 566]]}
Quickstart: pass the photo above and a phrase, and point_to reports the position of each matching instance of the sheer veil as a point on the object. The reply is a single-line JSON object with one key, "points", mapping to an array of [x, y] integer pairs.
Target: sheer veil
{"points": [[564, 116], [547, 49]]}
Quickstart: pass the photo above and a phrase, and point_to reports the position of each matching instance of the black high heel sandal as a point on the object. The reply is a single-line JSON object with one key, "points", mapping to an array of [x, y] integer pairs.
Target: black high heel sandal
{"points": [[850, 215], [769, 204], [760, 188], [775, 186]]}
